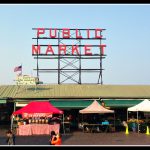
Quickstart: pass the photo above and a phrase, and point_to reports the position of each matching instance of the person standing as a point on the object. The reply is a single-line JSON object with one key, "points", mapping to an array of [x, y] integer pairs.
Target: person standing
{"points": [[13, 136]]}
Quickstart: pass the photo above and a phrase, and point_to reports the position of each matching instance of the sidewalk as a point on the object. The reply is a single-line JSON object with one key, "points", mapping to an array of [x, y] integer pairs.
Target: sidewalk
{"points": [[117, 138], [80, 138]]}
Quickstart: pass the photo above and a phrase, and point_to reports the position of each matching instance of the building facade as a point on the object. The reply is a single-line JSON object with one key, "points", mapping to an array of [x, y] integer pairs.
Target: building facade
{"points": [[71, 97]]}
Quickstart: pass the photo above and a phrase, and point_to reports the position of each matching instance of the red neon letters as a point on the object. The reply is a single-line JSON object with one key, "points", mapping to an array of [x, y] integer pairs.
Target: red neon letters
{"points": [[66, 33], [53, 33]]}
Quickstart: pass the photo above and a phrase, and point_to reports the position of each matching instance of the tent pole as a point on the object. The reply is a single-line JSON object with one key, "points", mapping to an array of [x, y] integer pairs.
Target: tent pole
{"points": [[63, 124], [11, 122], [138, 121], [127, 115], [114, 119]]}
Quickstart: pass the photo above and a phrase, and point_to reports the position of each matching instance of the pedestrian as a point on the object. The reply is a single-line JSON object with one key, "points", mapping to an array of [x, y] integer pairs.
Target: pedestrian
{"points": [[56, 140], [9, 139], [14, 137], [53, 134]]}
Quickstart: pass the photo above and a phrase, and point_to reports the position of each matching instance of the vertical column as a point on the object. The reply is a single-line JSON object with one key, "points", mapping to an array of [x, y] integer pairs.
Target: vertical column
{"points": [[37, 63], [80, 59], [101, 68], [100, 61], [58, 58]]}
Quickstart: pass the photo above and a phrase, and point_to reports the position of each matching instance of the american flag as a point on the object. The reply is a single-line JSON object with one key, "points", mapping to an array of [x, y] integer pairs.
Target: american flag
{"points": [[18, 68]]}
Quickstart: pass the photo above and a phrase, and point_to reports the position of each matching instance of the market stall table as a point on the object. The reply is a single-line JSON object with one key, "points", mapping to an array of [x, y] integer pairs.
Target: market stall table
{"points": [[37, 129], [93, 126]]}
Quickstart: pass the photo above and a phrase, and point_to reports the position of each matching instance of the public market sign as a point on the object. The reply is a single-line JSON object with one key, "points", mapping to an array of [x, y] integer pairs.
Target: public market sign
{"points": [[84, 35]]}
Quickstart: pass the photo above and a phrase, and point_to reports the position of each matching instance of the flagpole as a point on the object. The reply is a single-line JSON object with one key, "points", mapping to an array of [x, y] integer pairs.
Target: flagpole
{"points": [[21, 69]]}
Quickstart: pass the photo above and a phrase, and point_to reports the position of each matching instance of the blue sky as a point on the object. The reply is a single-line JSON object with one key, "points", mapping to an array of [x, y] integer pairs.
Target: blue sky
{"points": [[127, 38]]}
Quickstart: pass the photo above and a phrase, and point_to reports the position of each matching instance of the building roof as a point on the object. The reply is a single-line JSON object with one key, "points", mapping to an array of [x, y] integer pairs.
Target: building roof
{"points": [[75, 91]]}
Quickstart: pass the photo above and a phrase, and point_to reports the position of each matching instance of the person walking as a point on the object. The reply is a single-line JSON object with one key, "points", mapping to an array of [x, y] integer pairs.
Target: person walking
{"points": [[53, 134], [56, 140], [9, 139]]}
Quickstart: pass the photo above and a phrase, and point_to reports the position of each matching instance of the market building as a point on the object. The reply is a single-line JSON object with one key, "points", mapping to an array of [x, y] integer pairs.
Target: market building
{"points": [[71, 98]]}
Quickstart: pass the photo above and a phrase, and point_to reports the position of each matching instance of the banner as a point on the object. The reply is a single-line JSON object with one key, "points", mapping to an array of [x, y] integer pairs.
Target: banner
{"points": [[35, 115], [26, 80]]}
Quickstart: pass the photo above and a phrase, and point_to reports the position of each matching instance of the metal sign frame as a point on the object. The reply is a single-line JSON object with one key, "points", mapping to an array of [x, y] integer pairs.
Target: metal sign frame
{"points": [[70, 66]]}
